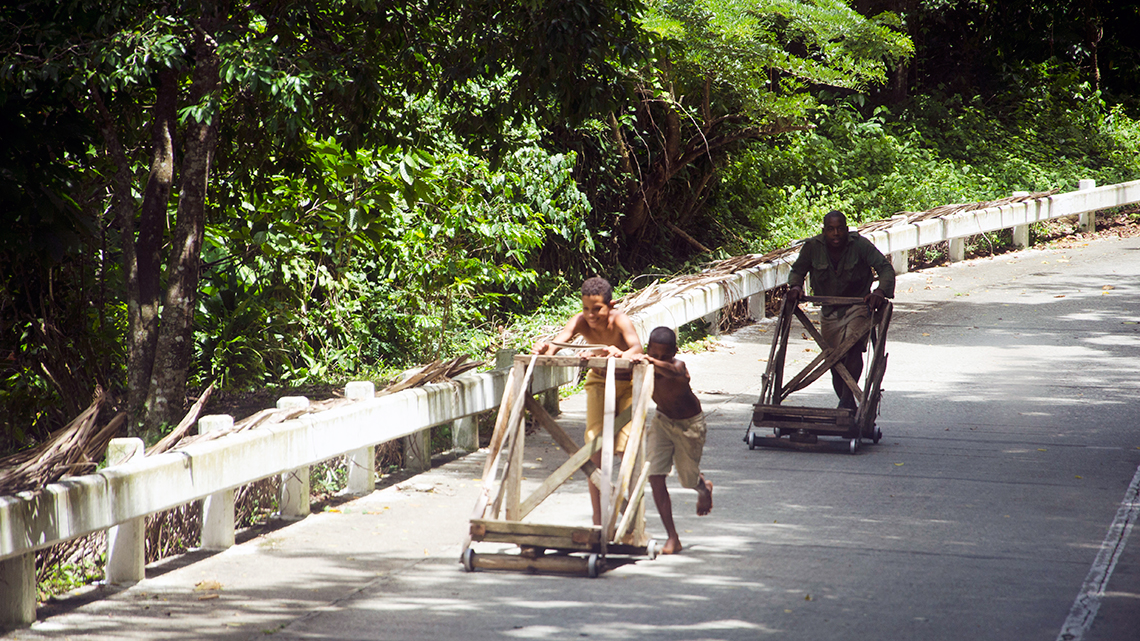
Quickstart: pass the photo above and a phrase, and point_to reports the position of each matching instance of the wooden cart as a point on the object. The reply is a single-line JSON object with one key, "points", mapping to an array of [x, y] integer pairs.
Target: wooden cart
{"points": [[586, 550], [801, 427]]}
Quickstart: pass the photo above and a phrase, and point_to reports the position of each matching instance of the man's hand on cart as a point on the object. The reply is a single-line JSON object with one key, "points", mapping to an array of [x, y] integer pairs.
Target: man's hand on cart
{"points": [[795, 294], [874, 300]]}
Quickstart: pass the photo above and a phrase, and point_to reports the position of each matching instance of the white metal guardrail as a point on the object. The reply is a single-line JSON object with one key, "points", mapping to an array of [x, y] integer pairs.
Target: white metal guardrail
{"points": [[702, 301], [119, 497]]}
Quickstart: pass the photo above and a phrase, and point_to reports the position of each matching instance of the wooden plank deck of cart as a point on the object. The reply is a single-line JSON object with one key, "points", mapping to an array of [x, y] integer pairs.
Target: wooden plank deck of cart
{"points": [[585, 550]]}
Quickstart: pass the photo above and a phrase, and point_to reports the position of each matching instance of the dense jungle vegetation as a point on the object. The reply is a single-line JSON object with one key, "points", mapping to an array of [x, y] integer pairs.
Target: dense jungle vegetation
{"points": [[279, 193]]}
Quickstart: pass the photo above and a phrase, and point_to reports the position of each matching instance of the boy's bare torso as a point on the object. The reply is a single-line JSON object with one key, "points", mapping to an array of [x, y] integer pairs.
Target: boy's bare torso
{"points": [[671, 391], [611, 334]]}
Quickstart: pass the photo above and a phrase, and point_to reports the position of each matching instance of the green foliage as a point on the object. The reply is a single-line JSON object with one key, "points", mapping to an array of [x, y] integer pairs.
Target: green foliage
{"points": [[767, 53], [328, 477], [934, 151], [557, 62], [380, 258], [724, 76], [65, 577]]}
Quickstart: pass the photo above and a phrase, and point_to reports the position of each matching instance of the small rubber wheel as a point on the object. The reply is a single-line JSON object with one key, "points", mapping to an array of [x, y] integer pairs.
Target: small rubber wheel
{"points": [[752, 440], [592, 566], [854, 445], [468, 559], [651, 549], [878, 436]]}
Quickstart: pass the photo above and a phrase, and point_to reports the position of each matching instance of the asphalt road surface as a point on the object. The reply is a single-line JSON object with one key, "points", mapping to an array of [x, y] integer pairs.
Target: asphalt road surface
{"points": [[998, 505]]}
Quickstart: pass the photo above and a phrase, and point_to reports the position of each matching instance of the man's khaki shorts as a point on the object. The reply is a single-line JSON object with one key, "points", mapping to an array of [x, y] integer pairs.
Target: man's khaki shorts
{"points": [[837, 327], [679, 443]]}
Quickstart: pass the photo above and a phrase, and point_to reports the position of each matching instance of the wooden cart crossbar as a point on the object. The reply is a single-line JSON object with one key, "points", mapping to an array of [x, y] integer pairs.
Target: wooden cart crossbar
{"points": [[622, 504], [803, 424]]}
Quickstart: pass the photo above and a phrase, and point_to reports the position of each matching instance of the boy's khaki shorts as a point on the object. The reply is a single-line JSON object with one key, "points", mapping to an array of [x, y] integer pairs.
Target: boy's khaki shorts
{"points": [[596, 408], [677, 442]]}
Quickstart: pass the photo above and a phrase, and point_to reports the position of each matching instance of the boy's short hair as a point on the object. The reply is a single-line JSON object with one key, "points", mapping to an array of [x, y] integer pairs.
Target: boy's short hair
{"points": [[598, 286], [664, 336]]}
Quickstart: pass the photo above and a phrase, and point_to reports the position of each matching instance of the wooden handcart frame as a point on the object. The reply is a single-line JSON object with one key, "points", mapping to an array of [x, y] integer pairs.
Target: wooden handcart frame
{"points": [[584, 550], [803, 425]]}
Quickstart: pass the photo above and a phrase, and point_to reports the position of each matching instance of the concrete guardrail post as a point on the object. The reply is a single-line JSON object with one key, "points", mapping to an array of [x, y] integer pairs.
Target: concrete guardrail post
{"points": [[126, 542], [900, 259], [1021, 232], [465, 434], [757, 306], [712, 322], [361, 462], [957, 249], [505, 358], [550, 402], [293, 499], [218, 508], [1087, 221], [417, 451], [18, 591]]}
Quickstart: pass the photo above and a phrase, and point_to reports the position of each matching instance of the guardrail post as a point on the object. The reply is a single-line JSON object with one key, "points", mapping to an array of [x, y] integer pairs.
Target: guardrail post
{"points": [[550, 402], [464, 434], [757, 306], [712, 322], [1020, 232], [957, 249], [18, 591], [361, 462], [505, 358], [126, 542], [417, 451], [218, 508], [1087, 220], [293, 500], [900, 260]]}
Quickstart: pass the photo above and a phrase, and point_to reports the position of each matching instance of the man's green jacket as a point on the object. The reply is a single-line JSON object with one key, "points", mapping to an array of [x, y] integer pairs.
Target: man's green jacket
{"points": [[851, 275]]}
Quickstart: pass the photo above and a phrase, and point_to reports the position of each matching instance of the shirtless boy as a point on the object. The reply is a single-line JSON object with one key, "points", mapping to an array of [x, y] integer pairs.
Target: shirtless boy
{"points": [[678, 433], [600, 324]]}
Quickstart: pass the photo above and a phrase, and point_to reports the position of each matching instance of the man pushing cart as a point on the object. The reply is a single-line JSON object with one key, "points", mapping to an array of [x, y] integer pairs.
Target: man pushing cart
{"points": [[842, 266]]}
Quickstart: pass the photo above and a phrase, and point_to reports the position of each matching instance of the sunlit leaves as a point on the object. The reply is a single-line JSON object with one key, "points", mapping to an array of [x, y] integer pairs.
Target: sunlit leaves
{"points": [[761, 53]]}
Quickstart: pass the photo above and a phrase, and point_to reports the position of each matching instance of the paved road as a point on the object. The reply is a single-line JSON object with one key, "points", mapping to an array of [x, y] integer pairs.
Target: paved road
{"points": [[996, 505]]}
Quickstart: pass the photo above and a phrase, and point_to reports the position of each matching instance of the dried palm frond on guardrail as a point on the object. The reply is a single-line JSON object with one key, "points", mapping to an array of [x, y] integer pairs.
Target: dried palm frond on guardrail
{"points": [[74, 449]]}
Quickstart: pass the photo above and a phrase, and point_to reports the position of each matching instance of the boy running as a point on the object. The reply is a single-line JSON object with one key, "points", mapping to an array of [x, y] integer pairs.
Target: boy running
{"points": [[678, 434]]}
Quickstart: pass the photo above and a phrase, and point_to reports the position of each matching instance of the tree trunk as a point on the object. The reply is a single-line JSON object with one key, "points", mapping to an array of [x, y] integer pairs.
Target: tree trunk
{"points": [[143, 274], [167, 390], [124, 215]]}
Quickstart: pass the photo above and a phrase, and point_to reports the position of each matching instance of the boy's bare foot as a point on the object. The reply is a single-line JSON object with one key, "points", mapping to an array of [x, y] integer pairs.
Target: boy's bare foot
{"points": [[704, 496], [672, 546]]}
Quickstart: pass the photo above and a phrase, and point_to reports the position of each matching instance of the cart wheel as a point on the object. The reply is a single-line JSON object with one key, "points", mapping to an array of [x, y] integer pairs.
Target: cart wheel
{"points": [[592, 566], [651, 549], [878, 435], [854, 445], [468, 560], [752, 440]]}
